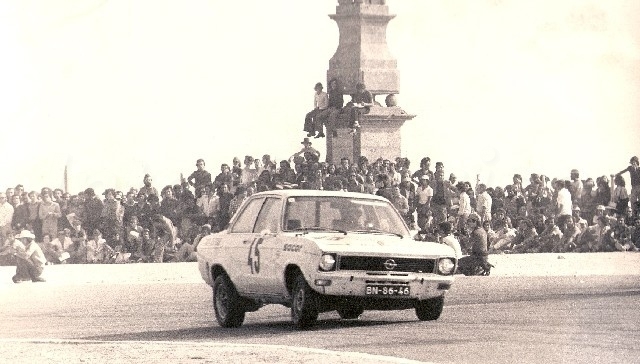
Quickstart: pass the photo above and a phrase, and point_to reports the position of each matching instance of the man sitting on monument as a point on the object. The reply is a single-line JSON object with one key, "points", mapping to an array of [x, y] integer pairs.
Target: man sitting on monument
{"points": [[330, 114], [360, 104], [320, 104]]}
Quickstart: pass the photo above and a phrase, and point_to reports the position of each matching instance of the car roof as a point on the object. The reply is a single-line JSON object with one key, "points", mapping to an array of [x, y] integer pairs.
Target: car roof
{"points": [[318, 193]]}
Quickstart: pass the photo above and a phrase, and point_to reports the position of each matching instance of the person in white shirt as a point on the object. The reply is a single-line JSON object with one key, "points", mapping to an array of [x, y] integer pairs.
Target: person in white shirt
{"points": [[483, 203], [563, 202], [58, 247], [464, 209], [209, 204], [6, 217], [424, 193], [320, 104], [30, 258]]}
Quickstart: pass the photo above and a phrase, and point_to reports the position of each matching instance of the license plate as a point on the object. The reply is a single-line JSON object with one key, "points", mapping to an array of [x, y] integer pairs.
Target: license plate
{"points": [[384, 290]]}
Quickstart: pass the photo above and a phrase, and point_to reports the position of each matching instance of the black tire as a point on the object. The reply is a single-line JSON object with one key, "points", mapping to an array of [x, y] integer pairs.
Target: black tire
{"points": [[429, 310], [347, 312], [304, 305], [227, 303]]}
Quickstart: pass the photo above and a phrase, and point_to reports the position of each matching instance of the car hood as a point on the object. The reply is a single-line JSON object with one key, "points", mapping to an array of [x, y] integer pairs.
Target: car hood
{"points": [[373, 244]]}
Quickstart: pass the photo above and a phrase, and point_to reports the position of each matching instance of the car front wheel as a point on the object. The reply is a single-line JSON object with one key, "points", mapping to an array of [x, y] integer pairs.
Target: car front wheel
{"points": [[226, 303], [304, 308], [429, 310]]}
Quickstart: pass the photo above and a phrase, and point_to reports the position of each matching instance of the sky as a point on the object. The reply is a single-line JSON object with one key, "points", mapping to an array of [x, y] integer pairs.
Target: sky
{"points": [[116, 89]]}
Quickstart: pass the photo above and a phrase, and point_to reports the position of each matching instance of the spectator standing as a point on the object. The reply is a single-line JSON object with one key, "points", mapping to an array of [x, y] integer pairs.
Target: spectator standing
{"points": [[603, 191], [306, 148], [6, 217], [620, 196], [248, 172], [169, 205], [408, 190], [148, 189], [464, 209], [401, 204], [33, 205], [576, 187], [78, 249], [563, 202], [634, 173], [588, 208], [224, 177], [112, 214], [225, 196], [130, 207], [48, 213], [439, 205], [20, 219], [424, 193], [236, 171], [236, 201], [483, 203], [425, 164], [92, 210]]}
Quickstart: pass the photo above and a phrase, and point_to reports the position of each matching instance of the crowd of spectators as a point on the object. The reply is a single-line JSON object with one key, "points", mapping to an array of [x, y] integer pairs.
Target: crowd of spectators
{"points": [[144, 225]]}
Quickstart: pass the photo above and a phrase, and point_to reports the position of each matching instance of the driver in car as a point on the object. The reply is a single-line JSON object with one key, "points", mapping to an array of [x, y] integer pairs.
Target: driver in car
{"points": [[351, 218]]}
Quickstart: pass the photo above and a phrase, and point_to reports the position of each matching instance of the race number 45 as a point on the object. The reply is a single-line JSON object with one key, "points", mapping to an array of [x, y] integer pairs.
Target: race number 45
{"points": [[253, 259]]}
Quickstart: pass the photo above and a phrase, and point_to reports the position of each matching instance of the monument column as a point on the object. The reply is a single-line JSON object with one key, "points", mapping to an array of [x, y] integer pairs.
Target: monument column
{"points": [[363, 56]]}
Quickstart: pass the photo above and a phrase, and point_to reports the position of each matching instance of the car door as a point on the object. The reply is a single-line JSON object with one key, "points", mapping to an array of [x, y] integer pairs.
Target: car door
{"points": [[265, 249], [238, 244]]}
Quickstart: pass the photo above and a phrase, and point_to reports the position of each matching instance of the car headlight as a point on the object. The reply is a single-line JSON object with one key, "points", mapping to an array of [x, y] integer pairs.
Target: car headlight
{"points": [[446, 266], [327, 262]]}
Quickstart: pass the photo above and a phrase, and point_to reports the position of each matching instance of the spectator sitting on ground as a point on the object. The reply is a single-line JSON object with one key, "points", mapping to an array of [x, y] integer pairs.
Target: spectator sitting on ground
{"points": [[97, 249], [620, 236], [526, 237], [59, 247], [133, 235], [550, 238], [204, 231]]}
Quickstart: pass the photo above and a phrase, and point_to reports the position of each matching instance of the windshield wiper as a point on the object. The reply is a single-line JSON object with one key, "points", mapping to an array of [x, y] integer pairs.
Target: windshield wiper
{"points": [[375, 231], [306, 230]]}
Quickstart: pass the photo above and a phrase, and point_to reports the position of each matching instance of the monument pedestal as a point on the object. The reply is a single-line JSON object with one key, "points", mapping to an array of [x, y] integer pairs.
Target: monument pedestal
{"points": [[378, 136]]}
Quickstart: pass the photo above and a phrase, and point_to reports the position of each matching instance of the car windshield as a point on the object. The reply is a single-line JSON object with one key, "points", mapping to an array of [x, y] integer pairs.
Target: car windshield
{"points": [[343, 214]]}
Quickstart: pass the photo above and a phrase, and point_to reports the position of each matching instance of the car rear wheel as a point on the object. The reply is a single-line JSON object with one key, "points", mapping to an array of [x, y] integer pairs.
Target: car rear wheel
{"points": [[226, 303], [304, 306], [347, 312], [429, 310]]}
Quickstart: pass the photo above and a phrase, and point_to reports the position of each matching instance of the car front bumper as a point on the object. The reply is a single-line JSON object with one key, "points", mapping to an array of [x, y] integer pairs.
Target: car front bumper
{"points": [[363, 284]]}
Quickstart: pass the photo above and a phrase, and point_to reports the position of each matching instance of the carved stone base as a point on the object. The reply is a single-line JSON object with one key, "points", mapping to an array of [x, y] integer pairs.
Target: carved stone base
{"points": [[378, 136]]}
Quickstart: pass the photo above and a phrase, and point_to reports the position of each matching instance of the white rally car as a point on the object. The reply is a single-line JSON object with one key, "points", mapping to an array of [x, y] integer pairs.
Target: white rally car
{"points": [[318, 251]]}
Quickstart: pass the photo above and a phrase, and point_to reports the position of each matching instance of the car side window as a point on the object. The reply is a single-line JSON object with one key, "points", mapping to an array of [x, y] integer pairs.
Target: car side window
{"points": [[247, 218], [269, 217]]}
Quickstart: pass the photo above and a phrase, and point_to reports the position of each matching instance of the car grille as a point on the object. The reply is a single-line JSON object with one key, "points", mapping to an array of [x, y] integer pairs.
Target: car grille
{"points": [[378, 264]]}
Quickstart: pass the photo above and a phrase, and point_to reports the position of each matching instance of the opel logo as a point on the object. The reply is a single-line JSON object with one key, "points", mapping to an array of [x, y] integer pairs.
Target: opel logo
{"points": [[390, 264]]}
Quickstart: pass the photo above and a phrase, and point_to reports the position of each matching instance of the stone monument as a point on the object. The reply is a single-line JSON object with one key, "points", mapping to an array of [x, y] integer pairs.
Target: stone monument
{"points": [[363, 56]]}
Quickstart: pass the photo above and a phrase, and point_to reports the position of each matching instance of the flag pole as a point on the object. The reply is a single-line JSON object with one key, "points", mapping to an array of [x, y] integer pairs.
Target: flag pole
{"points": [[66, 179]]}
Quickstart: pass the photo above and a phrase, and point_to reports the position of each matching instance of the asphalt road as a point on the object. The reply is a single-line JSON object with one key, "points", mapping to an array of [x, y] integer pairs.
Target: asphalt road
{"points": [[583, 319]]}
